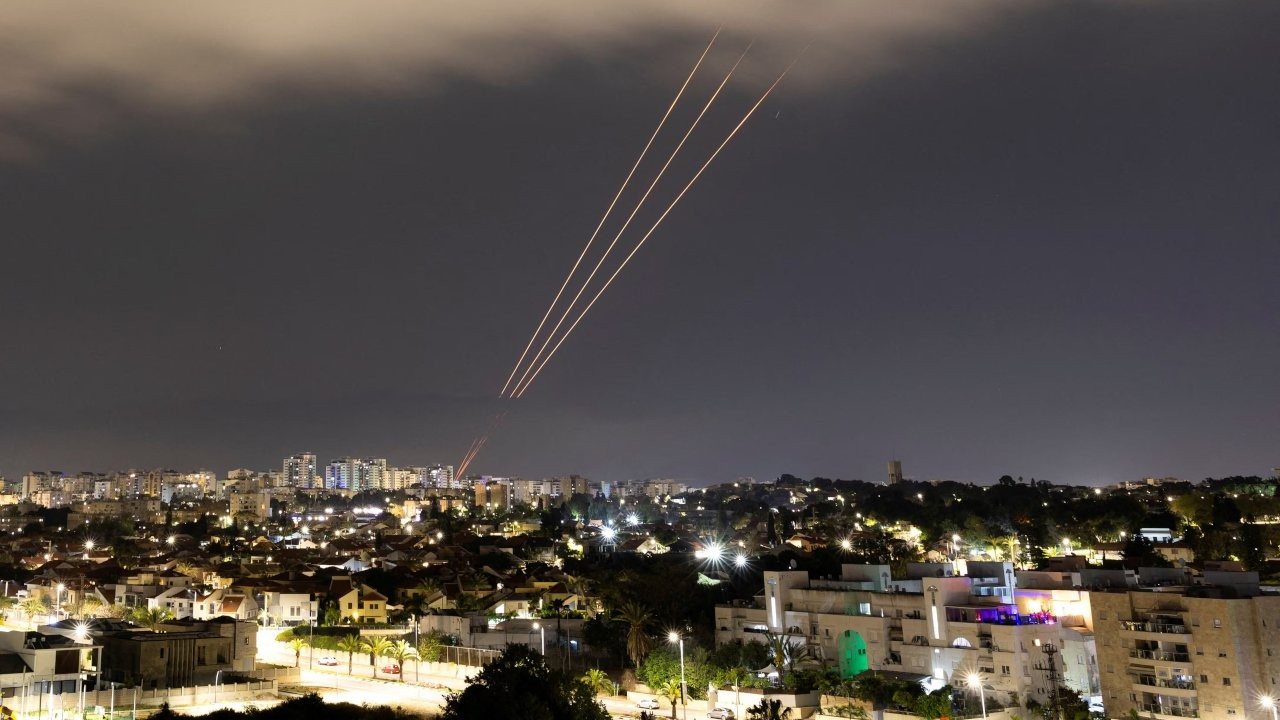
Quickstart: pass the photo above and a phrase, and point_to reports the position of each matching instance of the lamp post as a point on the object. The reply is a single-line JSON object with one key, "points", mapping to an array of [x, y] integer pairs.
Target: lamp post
{"points": [[58, 605], [676, 637], [542, 631], [217, 677], [974, 681]]}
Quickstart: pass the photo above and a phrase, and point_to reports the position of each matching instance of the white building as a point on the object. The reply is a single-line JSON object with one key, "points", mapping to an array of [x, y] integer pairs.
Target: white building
{"points": [[299, 470], [933, 623]]}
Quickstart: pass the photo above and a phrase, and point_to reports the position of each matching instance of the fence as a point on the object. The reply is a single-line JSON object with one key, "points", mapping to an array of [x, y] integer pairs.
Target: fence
{"points": [[459, 655], [282, 675], [125, 698]]}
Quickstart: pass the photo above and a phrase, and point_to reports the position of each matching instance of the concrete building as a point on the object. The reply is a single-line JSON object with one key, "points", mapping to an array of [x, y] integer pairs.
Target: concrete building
{"points": [[356, 474], [45, 663], [932, 624], [256, 505], [358, 603], [186, 653], [895, 472], [1172, 649], [299, 470], [493, 494]]}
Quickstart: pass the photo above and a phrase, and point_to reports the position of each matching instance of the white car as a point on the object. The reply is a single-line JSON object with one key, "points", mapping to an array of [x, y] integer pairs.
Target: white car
{"points": [[720, 713], [647, 704], [328, 660]]}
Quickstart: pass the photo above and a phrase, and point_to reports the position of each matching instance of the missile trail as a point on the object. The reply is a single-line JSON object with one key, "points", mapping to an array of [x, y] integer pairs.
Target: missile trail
{"points": [[607, 211], [671, 158], [520, 390], [479, 443]]}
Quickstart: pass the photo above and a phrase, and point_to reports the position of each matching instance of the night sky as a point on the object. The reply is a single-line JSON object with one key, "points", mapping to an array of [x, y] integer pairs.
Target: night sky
{"points": [[1038, 239]]}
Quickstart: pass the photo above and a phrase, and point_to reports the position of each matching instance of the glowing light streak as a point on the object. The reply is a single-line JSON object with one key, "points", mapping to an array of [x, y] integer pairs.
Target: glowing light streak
{"points": [[625, 182], [634, 211], [520, 391]]}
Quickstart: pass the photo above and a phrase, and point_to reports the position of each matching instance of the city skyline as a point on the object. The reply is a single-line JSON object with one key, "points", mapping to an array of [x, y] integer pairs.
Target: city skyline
{"points": [[989, 240]]}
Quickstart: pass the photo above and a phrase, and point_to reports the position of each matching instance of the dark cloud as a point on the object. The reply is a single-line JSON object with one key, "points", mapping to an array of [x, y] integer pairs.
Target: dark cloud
{"points": [[991, 240]]}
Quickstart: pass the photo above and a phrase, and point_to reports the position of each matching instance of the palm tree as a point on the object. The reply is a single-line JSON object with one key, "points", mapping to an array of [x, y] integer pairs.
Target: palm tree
{"points": [[150, 618], [599, 682], [350, 644], [556, 608], [671, 691], [736, 677], [89, 606], [769, 710], [36, 605], [376, 646], [429, 587], [296, 645], [785, 652], [400, 651], [6, 604], [637, 617]]}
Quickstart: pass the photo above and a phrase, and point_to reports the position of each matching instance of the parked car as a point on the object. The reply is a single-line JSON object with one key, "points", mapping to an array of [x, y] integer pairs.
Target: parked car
{"points": [[328, 660], [647, 704], [720, 713], [391, 669]]}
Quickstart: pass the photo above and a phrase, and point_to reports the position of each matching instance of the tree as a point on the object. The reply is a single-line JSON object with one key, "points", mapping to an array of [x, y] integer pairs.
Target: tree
{"points": [[350, 644], [785, 652], [36, 605], [637, 617], [671, 691], [150, 618], [376, 647], [296, 644], [768, 710], [401, 650], [736, 676], [519, 684], [599, 682]]}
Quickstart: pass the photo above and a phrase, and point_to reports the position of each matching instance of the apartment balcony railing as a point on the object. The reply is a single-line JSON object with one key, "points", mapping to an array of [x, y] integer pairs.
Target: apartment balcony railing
{"points": [[1160, 655], [1171, 710], [1163, 683], [1155, 627]]}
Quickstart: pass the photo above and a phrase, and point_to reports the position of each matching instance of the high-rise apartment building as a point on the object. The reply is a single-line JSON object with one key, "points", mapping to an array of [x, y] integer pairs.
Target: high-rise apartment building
{"points": [[358, 474], [441, 477], [1170, 648], [300, 470], [493, 493]]}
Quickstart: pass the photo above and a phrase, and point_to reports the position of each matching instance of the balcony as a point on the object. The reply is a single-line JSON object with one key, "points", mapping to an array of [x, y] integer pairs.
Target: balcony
{"points": [[1170, 711], [1175, 688], [1162, 628], [1160, 655], [1151, 681]]}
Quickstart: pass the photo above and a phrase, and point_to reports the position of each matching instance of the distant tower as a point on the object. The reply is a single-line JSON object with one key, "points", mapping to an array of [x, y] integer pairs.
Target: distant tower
{"points": [[895, 472]]}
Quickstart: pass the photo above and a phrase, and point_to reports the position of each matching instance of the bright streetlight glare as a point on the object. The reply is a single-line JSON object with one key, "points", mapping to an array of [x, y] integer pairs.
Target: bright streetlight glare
{"points": [[845, 544], [740, 560], [673, 636], [608, 533]]}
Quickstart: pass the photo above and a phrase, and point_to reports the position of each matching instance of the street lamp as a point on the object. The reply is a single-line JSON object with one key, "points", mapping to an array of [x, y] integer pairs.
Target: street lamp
{"points": [[1269, 703], [542, 631], [974, 681], [58, 606], [676, 637]]}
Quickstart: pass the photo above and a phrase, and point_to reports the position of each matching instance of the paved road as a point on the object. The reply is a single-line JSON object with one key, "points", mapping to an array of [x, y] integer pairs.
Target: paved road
{"points": [[420, 690]]}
